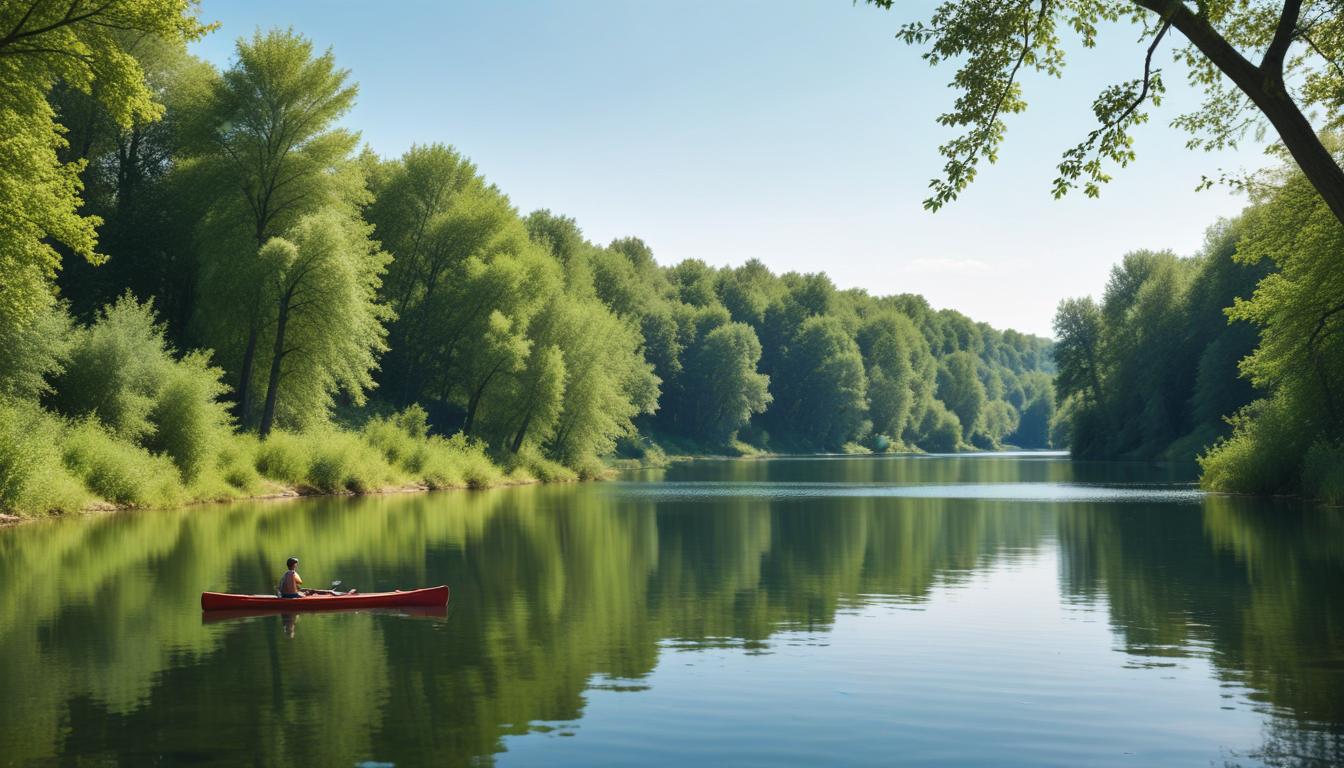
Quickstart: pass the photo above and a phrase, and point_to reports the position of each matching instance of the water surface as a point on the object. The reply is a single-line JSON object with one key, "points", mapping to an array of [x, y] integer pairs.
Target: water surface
{"points": [[955, 610]]}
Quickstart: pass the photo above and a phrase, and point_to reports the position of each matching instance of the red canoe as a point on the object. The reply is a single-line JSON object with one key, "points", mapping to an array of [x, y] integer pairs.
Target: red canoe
{"points": [[215, 601]]}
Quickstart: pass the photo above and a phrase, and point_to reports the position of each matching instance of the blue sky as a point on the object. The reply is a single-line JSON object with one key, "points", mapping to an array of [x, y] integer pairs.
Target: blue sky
{"points": [[798, 133]]}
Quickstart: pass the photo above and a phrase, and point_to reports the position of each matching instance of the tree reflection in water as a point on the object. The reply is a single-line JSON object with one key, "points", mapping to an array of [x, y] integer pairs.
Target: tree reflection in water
{"points": [[556, 587]]}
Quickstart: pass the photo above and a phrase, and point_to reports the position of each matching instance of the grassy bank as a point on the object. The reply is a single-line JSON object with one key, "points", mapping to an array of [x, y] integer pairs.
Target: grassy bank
{"points": [[51, 465]]}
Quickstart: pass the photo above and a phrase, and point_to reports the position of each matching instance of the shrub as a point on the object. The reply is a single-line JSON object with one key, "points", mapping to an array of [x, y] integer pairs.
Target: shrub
{"points": [[529, 463], [236, 462], [118, 471], [33, 480], [441, 467], [401, 438], [283, 457], [189, 421], [342, 461], [476, 468], [1263, 454], [115, 368], [1323, 472]]}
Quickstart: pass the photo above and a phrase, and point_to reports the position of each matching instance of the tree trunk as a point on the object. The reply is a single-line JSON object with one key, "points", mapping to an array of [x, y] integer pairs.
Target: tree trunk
{"points": [[273, 381], [245, 378], [522, 433], [1265, 88], [475, 399]]}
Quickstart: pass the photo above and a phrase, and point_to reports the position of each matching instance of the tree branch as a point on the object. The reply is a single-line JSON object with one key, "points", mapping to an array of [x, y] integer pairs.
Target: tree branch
{"points": [[1272, 64], [1147, 74]]}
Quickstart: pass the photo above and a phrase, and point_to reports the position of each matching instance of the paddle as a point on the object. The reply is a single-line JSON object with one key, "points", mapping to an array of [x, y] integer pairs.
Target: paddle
{"points": [[331, 591]]}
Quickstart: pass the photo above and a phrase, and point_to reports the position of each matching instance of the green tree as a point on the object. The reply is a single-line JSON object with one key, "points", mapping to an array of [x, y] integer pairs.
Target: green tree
{"points": [[960, 388], [79, 44], [1290, 441], [465, 282], [901, 372], [823, 387], [135, 181], [1298, 45], [325, 321], [1078, 328], [269, 139], [726, 388]]}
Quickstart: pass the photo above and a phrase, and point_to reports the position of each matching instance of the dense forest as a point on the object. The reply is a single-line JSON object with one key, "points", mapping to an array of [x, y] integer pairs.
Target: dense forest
{"points": [[211, 290], [1233, 356]]}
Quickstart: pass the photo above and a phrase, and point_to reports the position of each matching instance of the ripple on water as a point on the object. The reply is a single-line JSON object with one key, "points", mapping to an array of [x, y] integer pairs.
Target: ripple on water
{"points": [[1033, 492]]}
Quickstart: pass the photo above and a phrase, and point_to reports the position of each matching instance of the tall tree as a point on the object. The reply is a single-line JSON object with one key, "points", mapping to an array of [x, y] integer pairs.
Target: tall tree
{"points": [[325, 322], [271, 144], [960, 388], [465, 283], [724, 386], [79, 43]]}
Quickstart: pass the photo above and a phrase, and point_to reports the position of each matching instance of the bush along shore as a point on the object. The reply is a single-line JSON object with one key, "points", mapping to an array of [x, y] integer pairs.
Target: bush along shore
{"points": [[53, 465]]}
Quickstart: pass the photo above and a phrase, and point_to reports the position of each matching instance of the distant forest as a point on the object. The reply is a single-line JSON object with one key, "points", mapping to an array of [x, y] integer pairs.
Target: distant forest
{"points": [[227, 261]]}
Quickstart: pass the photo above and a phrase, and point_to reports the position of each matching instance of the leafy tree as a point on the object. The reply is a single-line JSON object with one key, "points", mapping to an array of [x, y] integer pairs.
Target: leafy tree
{"points": [[1078, 328], [1288, 441], [561, 236], [78, 44], [901, 372], [135, 181], [268, 137], [607, 383], [997, 421], [822, 385], [327, 330], [746, 291], [727, 390], [465, 282], [960, 388], [1298, 45]]}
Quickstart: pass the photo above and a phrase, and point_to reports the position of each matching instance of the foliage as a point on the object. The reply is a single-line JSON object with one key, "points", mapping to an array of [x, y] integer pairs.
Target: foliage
{"points": [[960, 388], [33, 479], [407, 296], [328, 325], [78, 45], [123, 374], [994, 44], [1284, 443], [118, 471], [267, 141], [1151, 371]]}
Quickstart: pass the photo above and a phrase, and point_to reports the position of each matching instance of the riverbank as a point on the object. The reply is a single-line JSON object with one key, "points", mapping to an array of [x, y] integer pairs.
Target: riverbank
{"points": [[50, 466]]}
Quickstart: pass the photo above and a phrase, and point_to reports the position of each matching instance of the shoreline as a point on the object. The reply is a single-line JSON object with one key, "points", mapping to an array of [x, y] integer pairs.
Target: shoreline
{"points": [[284, 493]]}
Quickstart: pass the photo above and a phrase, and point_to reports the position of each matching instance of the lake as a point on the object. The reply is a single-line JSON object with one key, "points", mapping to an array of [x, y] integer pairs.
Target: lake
{"points": [[1002, 609]]}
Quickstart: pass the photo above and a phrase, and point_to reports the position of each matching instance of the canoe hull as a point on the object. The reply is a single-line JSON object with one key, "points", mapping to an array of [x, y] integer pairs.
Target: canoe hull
{"points": [[432, 596]]}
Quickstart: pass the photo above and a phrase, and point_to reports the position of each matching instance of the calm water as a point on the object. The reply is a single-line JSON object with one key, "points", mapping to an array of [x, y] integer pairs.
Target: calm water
{"points": [[989, 610]]}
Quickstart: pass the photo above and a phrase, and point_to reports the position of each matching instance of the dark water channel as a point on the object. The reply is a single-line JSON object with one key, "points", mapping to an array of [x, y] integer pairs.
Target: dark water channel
{"points": [[987, 610]]}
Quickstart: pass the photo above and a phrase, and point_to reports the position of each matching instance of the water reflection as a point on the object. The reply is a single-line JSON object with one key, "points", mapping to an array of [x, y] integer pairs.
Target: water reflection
{"points": [[558, 591]]}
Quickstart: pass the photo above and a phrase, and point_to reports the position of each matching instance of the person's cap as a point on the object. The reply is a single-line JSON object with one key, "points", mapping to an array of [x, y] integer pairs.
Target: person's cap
{"points": [[292, 561]]}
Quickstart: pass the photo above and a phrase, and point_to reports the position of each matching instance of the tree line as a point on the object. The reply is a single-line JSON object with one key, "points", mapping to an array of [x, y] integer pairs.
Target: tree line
{"points": [[1233, 356], [201, 260]]}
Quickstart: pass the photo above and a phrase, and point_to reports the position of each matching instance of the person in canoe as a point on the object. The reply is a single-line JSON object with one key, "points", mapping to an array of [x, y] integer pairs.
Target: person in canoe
{"points": [[291, 584]]}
